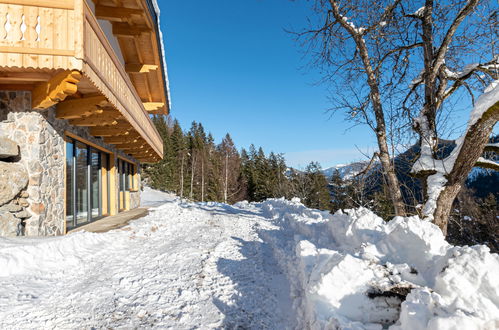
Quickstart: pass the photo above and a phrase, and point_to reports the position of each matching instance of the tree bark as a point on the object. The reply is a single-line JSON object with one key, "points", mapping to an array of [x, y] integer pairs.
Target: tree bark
{"points": [[202, 179], [226, 180], [182, 176], [474, 143], [375, 96], [193, 167]]}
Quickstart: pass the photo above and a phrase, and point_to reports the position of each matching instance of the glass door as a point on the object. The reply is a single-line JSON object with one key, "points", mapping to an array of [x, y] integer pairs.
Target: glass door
{"points": [[122, 182], [95, 184], [70, 179], [82, 183], [87, 183]]}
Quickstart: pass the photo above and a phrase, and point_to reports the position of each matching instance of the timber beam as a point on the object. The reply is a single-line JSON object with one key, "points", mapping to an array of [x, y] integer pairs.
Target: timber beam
{"points": [[153, 106], [78, 108], [139, 67], [135, 146], [121, 140], [108, 131], [55, 90], [98, 120], [142, 153], [13, 77], [125, 29], [115, 13]]}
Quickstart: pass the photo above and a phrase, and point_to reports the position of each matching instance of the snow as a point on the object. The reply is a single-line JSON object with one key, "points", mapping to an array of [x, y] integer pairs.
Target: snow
{"points": [[359, 30], [420, 12], [274, 265], [484, 102], [487, 161], [150, 197], [346, 171], [458, 75], [426, 162]]}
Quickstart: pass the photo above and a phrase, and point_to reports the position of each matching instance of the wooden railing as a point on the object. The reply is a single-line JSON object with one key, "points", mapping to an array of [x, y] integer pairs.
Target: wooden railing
{"points": [[101, 58], [40, 37]]}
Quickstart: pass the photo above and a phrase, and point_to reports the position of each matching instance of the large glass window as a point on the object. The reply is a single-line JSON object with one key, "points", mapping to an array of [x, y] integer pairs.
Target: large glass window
{"points": [[69, 184], [87, 183]]}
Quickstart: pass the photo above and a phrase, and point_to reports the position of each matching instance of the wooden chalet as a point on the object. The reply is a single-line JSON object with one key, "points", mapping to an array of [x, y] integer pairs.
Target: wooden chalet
{"points": [[79, 80]]}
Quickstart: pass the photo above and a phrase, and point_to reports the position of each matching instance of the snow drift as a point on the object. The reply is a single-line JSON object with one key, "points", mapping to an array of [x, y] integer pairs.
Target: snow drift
{"points": [[357, 271], [275, 265]]}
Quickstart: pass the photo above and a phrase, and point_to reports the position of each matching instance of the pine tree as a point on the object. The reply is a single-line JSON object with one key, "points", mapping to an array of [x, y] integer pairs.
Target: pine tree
{"points": [[340, 193], [318, 195], [232, 182]]}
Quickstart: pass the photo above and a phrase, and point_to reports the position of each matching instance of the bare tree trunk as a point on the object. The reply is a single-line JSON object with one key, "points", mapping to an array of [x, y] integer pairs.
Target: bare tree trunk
{"points": [[202, 180], [182, 176], [441, 186], [475, 140], [226, 179], [375, 96], [193, 167]]}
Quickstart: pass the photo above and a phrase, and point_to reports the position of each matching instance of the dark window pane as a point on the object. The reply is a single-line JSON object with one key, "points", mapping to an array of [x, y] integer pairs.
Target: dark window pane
{"points": [[126, 176], [69, 185], [95, 182], [81, 183]]}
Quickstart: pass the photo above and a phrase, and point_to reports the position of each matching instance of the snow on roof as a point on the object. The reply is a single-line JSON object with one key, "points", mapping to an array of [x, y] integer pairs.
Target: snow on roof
{"points": [[162, 45]]}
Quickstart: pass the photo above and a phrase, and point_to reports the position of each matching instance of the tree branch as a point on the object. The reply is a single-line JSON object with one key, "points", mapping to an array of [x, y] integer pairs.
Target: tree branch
{"points": [[442, 50], [487, 163]]}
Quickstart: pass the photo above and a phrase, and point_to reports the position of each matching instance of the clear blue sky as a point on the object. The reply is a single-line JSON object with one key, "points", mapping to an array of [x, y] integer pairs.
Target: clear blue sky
{"points": [[234, 68]]}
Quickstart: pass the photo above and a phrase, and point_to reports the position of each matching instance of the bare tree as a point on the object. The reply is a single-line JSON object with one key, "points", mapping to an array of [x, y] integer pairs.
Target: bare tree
{"points": [[355, 57], [453, 35], [449, 50]]}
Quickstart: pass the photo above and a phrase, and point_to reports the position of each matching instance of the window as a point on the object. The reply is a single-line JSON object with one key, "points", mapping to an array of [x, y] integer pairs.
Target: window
{"points": [[87, 183], [127, 182]]}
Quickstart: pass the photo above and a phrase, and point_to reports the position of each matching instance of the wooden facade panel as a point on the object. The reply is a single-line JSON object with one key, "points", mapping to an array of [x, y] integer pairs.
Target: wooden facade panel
{"points": [[36, 36]]}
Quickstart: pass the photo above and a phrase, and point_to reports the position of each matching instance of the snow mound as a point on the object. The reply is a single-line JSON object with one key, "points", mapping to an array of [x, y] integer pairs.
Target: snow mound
{"points": [[356, 271], [270, 265]]}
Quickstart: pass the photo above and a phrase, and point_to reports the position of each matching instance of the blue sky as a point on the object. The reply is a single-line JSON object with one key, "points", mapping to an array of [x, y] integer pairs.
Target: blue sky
{"points": [[234, 68]]}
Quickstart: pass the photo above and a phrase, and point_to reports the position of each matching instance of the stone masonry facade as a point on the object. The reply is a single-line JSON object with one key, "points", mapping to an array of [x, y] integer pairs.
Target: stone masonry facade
{"points": [[40, 138]]}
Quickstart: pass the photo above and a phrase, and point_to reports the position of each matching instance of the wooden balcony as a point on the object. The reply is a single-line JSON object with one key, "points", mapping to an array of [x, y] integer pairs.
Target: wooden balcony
{"points": [[57, 49]]}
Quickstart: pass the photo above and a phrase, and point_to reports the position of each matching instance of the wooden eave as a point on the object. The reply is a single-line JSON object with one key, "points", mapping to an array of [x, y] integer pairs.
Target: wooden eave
{"points": [[137, 34]]}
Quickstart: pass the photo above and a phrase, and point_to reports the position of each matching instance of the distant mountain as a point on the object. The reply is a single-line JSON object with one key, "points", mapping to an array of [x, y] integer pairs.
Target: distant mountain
{"points": [[347, 171]]}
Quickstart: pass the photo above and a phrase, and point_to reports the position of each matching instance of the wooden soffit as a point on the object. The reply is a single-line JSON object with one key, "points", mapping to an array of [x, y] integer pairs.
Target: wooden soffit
{"points": [[135, 27]]}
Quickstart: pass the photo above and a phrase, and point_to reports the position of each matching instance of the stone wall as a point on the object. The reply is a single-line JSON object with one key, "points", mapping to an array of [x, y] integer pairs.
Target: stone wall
{"points": [[13, 182], [40, 137]]}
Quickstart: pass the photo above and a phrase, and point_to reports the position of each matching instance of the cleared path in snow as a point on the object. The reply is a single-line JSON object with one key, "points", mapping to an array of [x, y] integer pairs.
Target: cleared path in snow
{"points": [[182, 266]]}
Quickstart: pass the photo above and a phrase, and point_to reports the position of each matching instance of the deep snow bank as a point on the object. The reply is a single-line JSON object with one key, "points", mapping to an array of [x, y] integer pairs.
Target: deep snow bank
{"points": [[270, 265], [352, 270]]}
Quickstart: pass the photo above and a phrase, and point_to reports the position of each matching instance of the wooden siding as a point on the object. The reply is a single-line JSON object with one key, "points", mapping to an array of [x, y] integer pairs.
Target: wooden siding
{"points": [[40, 37]]}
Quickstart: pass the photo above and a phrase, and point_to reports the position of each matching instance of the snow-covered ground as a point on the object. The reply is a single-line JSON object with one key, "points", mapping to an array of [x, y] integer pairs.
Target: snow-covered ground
{"points": [[270, 265]]}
